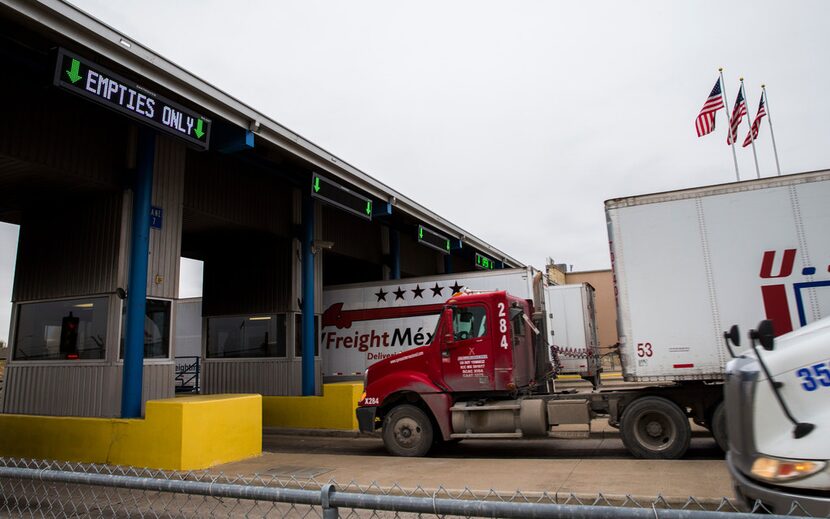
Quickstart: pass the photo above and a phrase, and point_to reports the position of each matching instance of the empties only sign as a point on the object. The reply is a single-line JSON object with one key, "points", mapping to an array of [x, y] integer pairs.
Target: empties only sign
{"points": [[98, 84]]}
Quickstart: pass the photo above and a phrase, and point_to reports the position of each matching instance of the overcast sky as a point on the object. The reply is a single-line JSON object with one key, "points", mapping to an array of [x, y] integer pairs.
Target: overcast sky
{"points": [[515, 120]]}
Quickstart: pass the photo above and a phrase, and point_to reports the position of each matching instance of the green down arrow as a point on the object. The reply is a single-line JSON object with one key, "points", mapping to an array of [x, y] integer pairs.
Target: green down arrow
{"points": [[73, 71], [369, 208], [420, 233], [198, 131], [316, 184]]}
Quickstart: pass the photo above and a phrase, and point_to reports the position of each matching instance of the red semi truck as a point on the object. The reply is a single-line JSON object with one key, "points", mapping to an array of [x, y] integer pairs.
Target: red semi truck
{"points": [[486, 375]]}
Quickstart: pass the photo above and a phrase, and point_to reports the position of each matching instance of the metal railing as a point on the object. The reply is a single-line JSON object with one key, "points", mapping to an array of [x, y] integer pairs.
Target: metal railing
{"points": [[52, 489], [188, 370]]}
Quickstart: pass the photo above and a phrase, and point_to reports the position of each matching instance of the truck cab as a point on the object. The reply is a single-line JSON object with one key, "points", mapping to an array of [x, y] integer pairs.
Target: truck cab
{"points": [[778, 407]]}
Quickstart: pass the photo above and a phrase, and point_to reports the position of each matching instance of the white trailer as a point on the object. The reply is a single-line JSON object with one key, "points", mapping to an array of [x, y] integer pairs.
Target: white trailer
{"points": [[363, 323], [688, 264], [366, 322]]}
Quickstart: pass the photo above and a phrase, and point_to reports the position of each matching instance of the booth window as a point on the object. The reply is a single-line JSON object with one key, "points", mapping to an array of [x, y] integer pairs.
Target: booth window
{"points": [[298, 336], [246, 336], [156, 329], [61, 330]]}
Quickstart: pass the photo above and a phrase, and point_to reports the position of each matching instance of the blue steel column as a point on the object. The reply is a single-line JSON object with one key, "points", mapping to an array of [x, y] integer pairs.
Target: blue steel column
{"points": [[308, 331], [395, 253], [137, 287]]}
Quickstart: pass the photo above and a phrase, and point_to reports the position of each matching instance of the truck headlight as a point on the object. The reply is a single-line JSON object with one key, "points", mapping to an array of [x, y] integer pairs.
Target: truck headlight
{"points": [[777, 470]]}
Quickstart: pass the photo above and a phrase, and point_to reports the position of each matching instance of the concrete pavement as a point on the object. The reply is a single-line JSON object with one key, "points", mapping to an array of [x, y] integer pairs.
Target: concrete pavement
{"points": [[582, 467]]}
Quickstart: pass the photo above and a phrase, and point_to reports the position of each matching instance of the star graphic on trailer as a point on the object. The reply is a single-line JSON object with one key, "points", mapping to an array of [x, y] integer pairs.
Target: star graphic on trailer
{"points": [[399, 293], [381, 295], [436, 290], [418, 291], [456, 287]]}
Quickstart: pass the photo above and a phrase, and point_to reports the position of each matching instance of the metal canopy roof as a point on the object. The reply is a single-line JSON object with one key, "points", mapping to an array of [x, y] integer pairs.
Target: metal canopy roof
{"points": [[72, 23]]}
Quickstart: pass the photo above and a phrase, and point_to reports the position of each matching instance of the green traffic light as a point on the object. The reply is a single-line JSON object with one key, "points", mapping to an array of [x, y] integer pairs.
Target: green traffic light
{"points": [[198, 131]]}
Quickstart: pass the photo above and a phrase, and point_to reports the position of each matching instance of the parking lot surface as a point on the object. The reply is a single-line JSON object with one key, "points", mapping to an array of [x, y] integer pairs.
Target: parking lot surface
{"points": [[599, 464]]}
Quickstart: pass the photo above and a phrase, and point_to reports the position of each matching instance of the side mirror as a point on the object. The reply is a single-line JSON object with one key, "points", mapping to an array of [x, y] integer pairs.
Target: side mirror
{"points": [[733, 335], [448, 338], [765, 334]]}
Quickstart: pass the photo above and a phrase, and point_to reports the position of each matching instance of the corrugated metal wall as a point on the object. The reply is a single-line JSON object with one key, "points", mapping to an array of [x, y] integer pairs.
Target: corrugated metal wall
{"points": [[86, 142], [235, 192], [277, 377], [69, 250], [77, 390], [351, 235], [166, 243]]}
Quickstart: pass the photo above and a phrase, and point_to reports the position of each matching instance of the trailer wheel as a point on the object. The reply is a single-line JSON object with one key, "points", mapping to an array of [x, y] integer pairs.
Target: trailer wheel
{"points": [[718, 427], [655, 428], [407, 431]]}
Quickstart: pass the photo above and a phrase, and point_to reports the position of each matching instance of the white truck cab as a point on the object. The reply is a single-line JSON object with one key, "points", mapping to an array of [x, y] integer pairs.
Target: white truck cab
{"points": [[779, 429]]}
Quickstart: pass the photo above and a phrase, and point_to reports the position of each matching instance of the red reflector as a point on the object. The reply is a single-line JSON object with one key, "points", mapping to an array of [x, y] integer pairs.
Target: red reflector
{"points": [[72, 356], [681, 366]]}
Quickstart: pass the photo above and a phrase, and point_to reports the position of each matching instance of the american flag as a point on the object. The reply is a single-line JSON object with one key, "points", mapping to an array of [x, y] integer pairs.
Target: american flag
{"points": [[738, 113], [756, 124], [705, 122]]}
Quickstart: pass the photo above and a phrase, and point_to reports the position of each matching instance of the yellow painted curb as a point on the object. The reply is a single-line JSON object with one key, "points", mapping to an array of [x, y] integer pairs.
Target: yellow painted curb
{"points": [[334, 410], [187, 433]]}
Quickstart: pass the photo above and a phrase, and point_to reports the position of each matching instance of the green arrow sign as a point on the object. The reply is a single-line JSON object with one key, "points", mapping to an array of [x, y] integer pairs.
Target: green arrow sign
{"points": [[73, 71], [198, 131], [434, 240], [369, 207], [316, 184]]}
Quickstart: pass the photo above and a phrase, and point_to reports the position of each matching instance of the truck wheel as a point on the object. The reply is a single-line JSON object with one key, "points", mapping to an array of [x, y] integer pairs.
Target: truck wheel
{"points": [[718, 427], [407, 431], [655, 428]]}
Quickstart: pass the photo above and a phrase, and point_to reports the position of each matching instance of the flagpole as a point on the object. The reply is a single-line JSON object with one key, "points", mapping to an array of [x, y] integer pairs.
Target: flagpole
{"points": [[751, 137], [771, 134], [726, 107]]}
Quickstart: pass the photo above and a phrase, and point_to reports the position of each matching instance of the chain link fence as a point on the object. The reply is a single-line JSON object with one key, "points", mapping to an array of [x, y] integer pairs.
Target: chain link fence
{"points": [[33, 488]]}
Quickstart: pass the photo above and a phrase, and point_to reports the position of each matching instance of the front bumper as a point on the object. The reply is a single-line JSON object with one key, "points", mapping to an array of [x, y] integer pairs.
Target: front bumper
{"points": [[366, 419], [776, 500]]}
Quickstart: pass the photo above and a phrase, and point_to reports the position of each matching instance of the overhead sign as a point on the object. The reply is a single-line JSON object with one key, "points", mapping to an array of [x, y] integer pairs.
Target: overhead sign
{"points": [[434, 240], [484, 263], [79, 76], [334, 194]]}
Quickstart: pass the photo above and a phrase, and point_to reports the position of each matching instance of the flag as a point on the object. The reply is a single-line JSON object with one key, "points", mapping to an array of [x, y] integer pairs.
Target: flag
{"points": [[738, 113], [756, 124], [705, 122]]}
